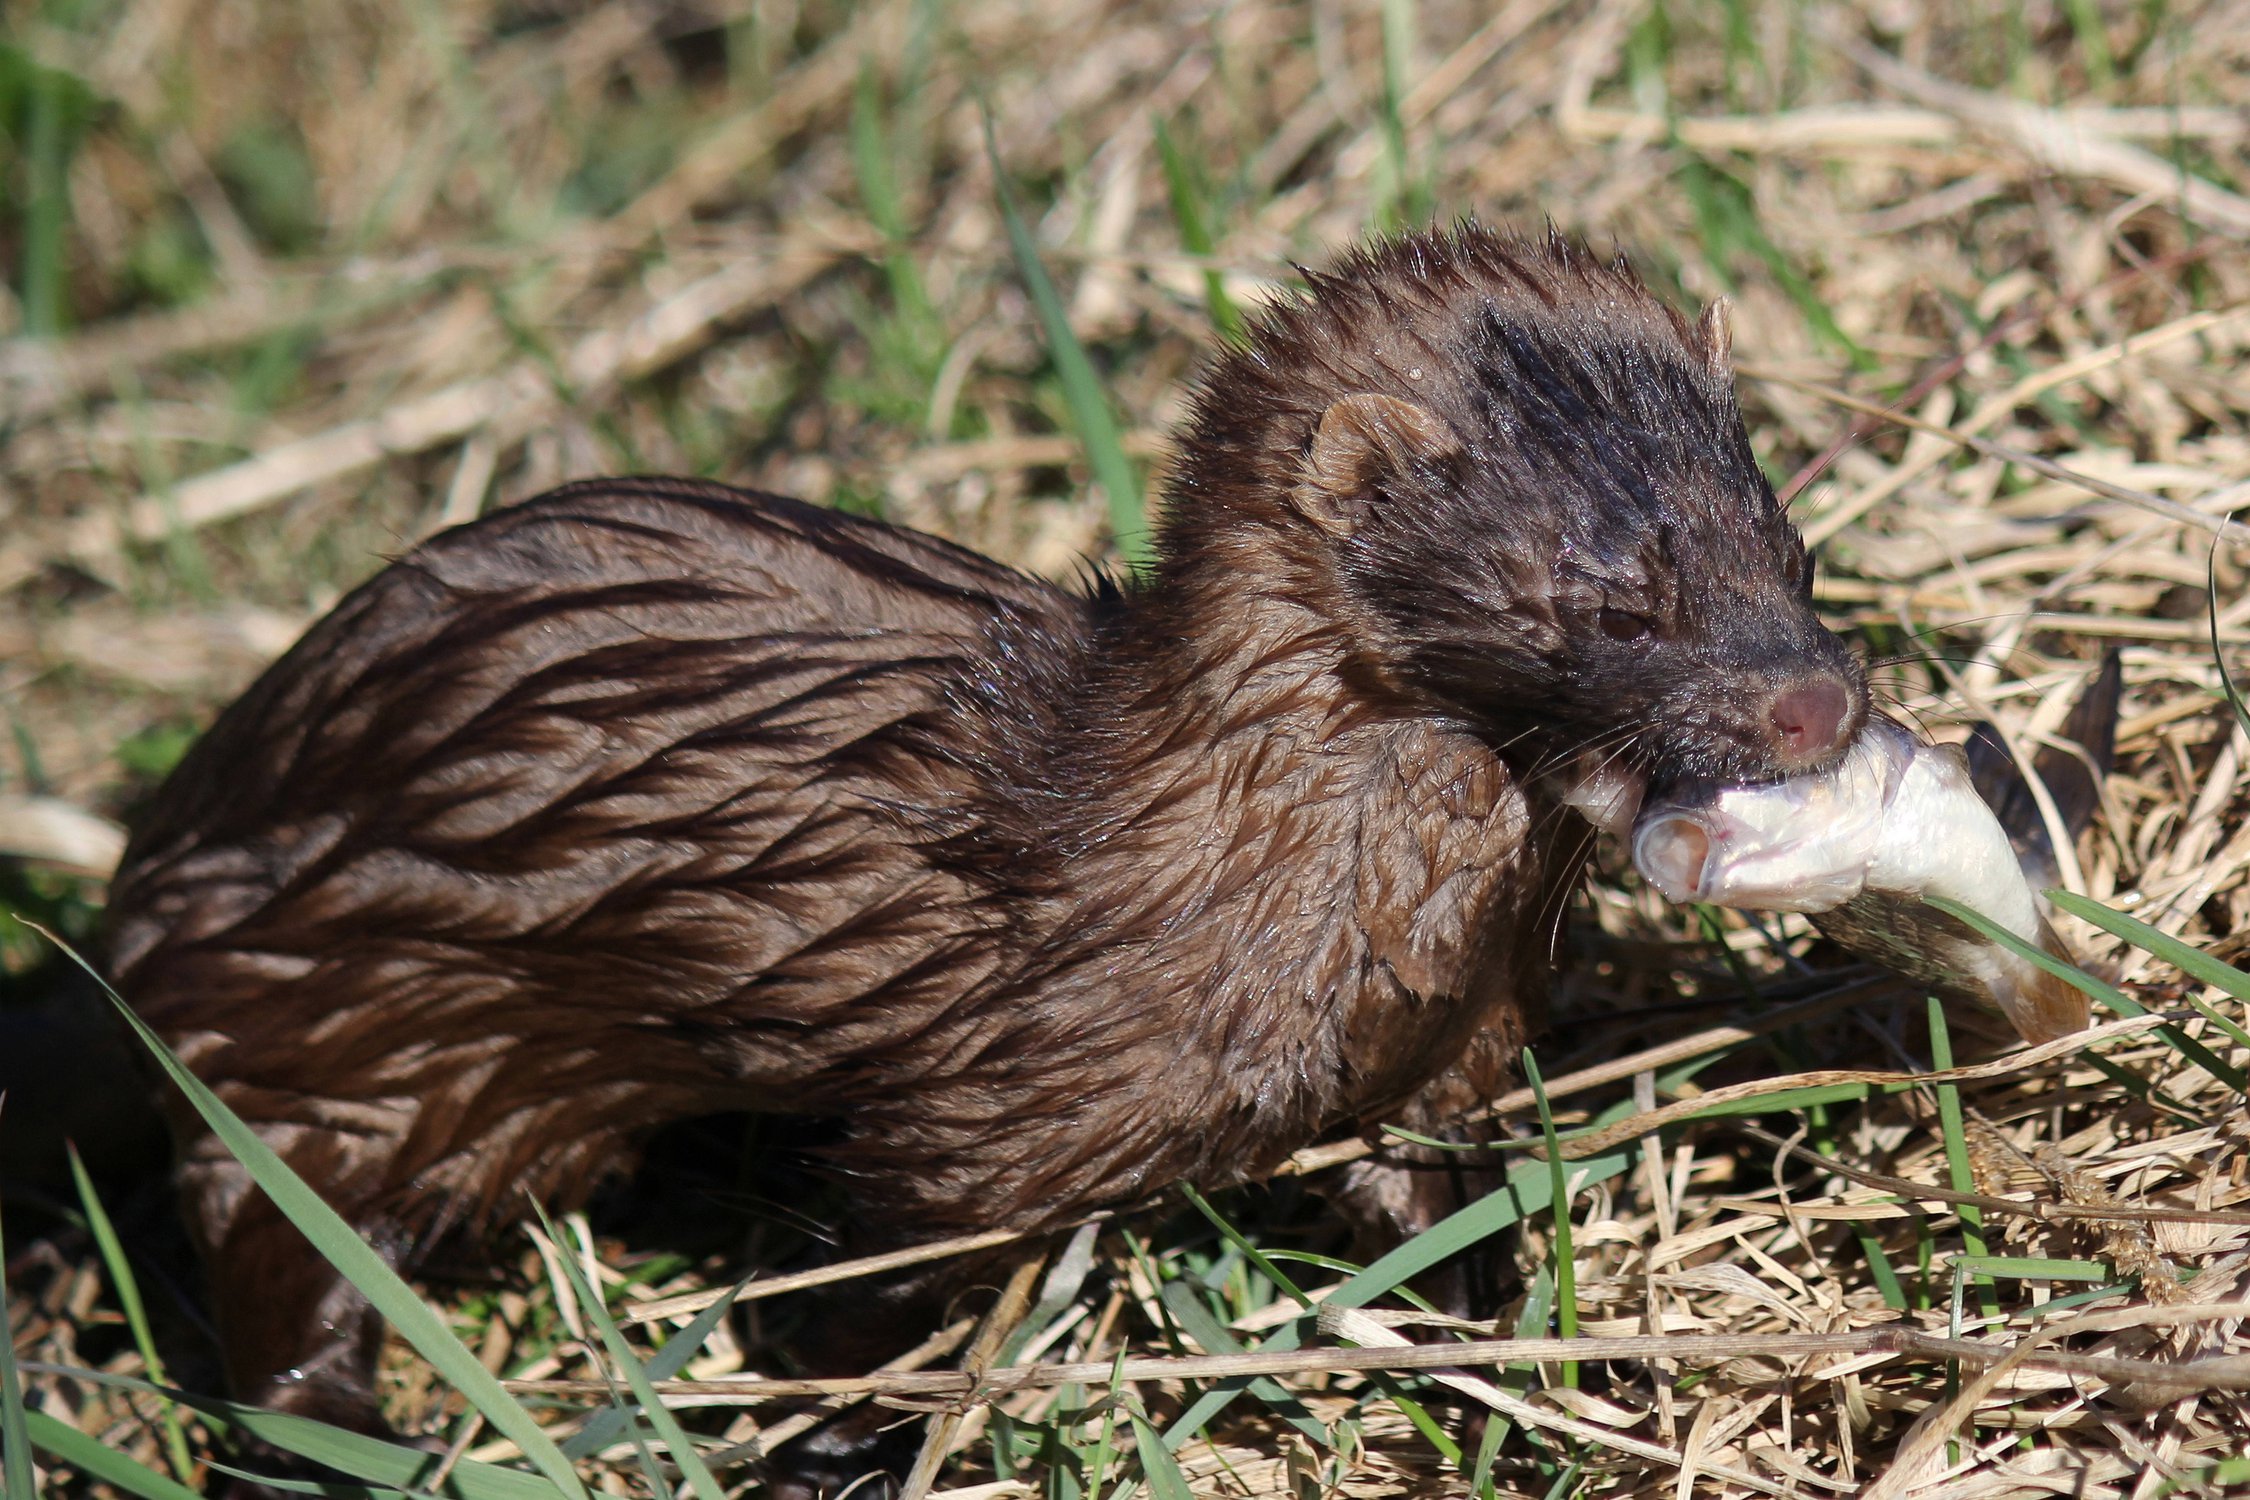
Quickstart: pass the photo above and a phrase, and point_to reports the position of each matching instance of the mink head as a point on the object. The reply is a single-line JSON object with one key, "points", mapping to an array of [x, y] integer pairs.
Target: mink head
{"points": [[1521, 487]]}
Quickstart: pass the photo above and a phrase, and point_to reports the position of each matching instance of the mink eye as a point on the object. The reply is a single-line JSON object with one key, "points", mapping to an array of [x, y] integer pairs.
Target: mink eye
{"points": [[1621, 626]]}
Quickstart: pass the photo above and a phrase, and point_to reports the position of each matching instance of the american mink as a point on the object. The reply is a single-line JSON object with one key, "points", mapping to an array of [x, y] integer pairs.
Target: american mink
{"points": [[652, 798]]}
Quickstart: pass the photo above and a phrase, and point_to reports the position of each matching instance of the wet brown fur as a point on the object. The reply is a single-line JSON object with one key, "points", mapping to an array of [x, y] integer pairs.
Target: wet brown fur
{"points": [[652, 798]]}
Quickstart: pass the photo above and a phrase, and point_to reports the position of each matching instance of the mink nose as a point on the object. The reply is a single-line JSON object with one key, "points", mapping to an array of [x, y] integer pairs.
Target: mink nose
{"points": [[1808, 719]]}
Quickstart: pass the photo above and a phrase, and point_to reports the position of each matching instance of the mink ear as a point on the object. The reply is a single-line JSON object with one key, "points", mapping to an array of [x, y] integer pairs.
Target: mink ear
{"points": [[1361, 439], [1715, 332]]}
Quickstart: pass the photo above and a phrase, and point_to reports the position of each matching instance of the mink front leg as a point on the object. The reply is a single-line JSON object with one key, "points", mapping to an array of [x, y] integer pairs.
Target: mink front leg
{"points": [[1400, 1191]]}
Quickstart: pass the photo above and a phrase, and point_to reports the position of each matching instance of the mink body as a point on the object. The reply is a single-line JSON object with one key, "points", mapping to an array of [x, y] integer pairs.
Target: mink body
{"points": [[651, 798]]}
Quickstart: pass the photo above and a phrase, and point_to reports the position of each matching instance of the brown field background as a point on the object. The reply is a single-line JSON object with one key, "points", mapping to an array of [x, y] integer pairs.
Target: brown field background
{"points": [[291, 286]]}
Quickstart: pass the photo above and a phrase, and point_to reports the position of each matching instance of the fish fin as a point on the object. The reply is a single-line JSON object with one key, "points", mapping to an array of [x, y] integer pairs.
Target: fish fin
{"points": [[2075, 780], [2073, 777]]}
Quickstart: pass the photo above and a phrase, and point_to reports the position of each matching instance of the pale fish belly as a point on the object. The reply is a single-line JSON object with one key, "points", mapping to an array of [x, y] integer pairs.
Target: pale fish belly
{"points": [[1857, 848]]}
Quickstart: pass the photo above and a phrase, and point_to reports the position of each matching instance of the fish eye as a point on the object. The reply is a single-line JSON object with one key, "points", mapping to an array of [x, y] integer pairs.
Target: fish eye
{"points": [[1619, 625]]}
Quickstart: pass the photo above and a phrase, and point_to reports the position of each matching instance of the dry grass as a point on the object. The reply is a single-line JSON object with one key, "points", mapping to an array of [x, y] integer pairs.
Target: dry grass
{"points": [[321, 279]]}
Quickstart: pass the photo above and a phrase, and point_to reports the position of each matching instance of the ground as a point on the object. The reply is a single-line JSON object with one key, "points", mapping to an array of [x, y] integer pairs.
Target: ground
{"points": [[288, 287]]}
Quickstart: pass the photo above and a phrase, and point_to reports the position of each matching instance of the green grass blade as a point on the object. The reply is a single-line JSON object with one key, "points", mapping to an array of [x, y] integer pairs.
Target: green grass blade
{"points": [[1784, 1099], [1196, 1320], [2035, 1268], [129, 1302], [416, 1321], [1158, 1466], [630, 1419], [668, 1361], [1105, 1446], [2108, 994], [2186, 957], [1531, 1323], [1082, 388], [15, 1432], [1529, 1189], [871, 158], [2138, 1087], [89, 1457], [1566, 1482], [2054, 1305], [2225, 1477], [1558, 1196], [1432, 1143], [1488, 1449], [1402, 197], [1387, 1386], [1235, 1237], [1822, 1139], [2218, 653], [320, 1489], [612, 1423], [374, 1461], [46, 208], [660, 1416], [1951, 1122], [1727, 217], [2093, 42], [2234, 1032], [368, 1459], [1956, 1135], [1187, 194]]}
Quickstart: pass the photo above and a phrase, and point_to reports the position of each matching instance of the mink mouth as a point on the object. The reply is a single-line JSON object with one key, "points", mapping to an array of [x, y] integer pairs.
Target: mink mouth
{"points": [[1718, 760]]}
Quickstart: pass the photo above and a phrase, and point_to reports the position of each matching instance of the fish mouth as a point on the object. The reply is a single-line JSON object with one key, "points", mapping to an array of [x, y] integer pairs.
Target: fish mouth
{"points": [[1673, 850]]}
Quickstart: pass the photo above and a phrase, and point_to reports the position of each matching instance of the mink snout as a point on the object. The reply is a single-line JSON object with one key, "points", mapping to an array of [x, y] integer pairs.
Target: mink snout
{"points": [[1810, 718]]}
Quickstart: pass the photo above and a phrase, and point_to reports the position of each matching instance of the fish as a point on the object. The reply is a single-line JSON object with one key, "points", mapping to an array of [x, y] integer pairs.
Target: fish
{"points": [[1856, 848]]}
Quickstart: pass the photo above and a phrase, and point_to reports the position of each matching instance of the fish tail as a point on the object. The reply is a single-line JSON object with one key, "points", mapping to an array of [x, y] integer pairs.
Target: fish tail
{"points": [[2042, 1006]]}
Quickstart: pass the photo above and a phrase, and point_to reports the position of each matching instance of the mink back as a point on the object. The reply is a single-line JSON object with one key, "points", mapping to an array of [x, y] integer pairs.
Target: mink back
{"points": [[594, 812]]}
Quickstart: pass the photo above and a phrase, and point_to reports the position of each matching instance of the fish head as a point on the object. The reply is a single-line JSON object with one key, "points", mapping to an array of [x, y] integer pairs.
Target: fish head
{"points": [[1804, 844]]}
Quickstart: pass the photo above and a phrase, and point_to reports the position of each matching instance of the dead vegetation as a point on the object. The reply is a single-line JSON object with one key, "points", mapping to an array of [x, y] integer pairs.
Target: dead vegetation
{"points": [[290, 287]]}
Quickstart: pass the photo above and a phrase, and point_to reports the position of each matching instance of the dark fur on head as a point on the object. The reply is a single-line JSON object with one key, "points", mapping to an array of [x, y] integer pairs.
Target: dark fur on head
{"points": [[1532, 487]]}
